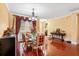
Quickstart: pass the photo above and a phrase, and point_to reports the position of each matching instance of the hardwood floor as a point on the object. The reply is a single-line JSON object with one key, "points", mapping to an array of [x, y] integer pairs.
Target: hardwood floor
{"points": [[58, 48]]}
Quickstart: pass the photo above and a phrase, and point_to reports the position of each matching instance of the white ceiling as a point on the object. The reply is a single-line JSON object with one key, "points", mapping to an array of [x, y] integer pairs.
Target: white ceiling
{"points": [[45, 10]]}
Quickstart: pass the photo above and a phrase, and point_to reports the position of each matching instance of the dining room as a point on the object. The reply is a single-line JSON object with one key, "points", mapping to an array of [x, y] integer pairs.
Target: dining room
{"points": [[42, 30]]}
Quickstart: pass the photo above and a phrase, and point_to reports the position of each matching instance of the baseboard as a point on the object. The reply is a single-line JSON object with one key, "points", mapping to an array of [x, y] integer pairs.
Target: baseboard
{"points": [[72, 42], [75, 43]]}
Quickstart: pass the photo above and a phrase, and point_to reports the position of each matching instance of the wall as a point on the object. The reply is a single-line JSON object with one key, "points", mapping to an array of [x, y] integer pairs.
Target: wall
{"points": [[6, 19], [12, 21], [42, 26], [66, 23], [3, 18], [78, 28], [74, 28], [37, 25]]}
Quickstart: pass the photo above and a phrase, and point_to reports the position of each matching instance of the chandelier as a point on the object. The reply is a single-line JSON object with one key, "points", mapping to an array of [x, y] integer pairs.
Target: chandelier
{"points": [[33, 17]]}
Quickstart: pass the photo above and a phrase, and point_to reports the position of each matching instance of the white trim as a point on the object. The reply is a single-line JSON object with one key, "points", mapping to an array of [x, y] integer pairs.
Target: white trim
{"points": [[74, 43]]}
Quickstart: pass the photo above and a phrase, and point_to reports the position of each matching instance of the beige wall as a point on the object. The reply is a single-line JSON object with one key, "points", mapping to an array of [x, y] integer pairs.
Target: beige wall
{"points": [[41, 26], [12, 21], [74, 28], [78, 28], [6, 19], [37, 25], [66, 23], [3, 18]]}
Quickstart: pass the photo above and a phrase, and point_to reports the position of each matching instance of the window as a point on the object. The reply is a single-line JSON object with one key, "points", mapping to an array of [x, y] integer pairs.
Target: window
{"points": [[25, 26]]}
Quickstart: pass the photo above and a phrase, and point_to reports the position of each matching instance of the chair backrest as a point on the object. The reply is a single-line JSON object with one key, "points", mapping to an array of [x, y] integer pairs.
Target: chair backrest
{"points": [[40, 39]]}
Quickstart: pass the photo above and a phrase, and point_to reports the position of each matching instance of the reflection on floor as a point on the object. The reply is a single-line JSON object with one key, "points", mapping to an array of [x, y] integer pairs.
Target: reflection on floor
{"points": [[58, 48], [31, 52]]}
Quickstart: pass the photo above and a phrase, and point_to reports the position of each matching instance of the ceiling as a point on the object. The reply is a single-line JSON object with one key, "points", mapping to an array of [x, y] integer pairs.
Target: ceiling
{"points": [[44, 10]]}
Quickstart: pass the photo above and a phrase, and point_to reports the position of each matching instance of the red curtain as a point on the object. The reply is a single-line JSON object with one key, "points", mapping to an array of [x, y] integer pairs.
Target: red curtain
{"points": [[18, 23], [18, 19]]}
